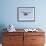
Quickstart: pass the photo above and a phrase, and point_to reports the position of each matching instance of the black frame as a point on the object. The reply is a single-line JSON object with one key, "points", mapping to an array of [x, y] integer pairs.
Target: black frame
{"points": [[25, 20]]}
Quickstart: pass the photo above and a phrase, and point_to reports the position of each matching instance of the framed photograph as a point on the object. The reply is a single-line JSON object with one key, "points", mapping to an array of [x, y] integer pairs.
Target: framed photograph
{"points": [[25, 14]]}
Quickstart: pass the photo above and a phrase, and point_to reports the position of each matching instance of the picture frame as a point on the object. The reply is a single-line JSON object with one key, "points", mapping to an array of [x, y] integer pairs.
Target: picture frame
{"points": [[26, 14]]}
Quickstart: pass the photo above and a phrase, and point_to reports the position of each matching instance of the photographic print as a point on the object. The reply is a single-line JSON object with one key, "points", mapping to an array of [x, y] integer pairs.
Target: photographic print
{"points": [[26, 14]]}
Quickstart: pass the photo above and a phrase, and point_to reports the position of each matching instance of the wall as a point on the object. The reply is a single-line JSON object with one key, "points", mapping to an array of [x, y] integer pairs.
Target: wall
{"points": [[8, 13]]}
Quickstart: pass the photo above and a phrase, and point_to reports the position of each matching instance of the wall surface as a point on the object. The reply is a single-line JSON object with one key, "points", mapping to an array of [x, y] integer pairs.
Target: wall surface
{"points": [[8, 13]]}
